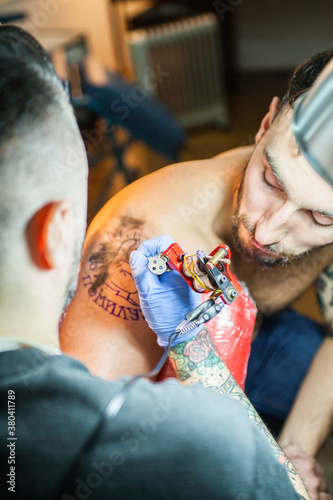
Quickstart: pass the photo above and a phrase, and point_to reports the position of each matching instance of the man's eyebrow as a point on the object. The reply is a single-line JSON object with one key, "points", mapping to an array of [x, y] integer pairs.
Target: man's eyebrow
{"points": [[271, 160]]}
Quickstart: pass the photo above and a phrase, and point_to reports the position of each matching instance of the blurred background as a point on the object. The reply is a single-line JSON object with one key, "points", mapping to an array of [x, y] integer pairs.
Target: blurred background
{"points": [[155, 82], [170, 81]]}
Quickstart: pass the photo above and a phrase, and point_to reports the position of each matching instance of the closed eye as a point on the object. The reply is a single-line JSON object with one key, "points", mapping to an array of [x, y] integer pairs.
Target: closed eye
{"points": [[270, 180], [321, 220]]}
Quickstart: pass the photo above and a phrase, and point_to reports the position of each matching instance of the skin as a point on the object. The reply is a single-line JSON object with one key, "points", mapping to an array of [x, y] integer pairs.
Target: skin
{"points": [[43, 310], [45, 254]]}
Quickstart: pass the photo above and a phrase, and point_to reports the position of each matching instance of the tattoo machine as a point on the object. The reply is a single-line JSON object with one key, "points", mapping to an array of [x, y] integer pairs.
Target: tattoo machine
{"points": [[203, 273]]}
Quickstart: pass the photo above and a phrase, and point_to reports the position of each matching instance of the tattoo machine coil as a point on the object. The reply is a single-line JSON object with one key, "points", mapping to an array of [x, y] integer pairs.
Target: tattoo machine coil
{"points": [[203, 273]]}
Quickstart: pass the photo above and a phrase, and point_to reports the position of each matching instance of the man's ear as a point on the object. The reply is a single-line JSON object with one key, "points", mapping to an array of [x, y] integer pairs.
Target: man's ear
{"points": [[268, 118], [49, 234]]}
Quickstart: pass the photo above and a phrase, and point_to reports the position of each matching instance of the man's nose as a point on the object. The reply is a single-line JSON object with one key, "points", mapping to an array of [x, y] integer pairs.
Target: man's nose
{"points": [[274, 224]]}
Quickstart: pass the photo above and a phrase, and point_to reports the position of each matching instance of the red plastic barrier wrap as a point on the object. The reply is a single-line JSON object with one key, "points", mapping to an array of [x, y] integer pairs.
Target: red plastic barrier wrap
{"points": [[232, 331]]}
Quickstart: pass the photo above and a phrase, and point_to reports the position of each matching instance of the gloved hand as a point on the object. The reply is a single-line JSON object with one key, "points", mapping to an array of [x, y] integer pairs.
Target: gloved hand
{"points": [[166, 299]]}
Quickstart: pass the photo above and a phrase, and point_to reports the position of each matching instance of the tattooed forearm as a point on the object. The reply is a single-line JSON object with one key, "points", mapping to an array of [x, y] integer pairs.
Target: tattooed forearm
{"points": [[198, 360]]}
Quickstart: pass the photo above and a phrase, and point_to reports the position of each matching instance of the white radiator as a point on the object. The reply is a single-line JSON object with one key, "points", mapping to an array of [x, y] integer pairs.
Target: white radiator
{"points": [[181, 63]]}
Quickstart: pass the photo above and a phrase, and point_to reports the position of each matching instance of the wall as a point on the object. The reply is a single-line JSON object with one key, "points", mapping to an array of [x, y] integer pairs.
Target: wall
{"points": [[270, 34], [92, 17], [278, 34]]}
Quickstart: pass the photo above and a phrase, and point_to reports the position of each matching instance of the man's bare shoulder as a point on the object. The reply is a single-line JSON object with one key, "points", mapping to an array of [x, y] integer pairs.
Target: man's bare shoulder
{"points": [[175, 192], [181, 200], [241, 153]]}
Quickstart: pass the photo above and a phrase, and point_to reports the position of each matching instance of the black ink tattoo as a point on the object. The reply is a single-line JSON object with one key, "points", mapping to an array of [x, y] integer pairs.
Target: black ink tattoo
{"points": [[109, 274], [115, 252], [131, 297], [110, 306]]}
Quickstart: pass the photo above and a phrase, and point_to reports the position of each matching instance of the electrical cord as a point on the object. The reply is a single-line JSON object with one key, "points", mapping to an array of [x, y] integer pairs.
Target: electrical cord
{"points": [[201, 314], [118, 399], [115, 404]]}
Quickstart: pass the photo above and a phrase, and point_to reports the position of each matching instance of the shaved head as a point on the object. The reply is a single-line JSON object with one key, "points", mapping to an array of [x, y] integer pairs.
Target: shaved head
{"points": [[42, 157]]}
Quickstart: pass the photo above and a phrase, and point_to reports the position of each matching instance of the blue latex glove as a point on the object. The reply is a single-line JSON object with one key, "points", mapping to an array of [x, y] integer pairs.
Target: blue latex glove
{"points": [[165, 300]]}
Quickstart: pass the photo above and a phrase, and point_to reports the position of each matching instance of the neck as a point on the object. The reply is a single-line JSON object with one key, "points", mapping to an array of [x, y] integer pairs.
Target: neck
{"points": [[46, 338], [29, 324]]}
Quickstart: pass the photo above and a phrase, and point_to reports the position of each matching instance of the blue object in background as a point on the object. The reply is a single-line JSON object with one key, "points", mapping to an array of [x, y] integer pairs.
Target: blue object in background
{"points": [[280, 358], [130, 106], [11, 18]]}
